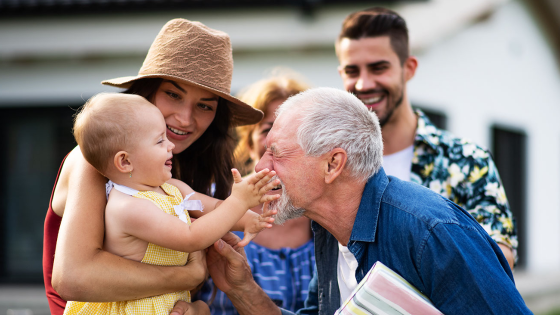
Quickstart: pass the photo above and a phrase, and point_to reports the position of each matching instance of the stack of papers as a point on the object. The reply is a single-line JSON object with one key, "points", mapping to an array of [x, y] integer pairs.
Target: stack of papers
{"points": [[383, 291]]}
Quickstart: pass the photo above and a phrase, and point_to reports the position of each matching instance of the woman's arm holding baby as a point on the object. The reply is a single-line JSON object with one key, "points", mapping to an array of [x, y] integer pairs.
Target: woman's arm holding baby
{"points": [[84, 271]]}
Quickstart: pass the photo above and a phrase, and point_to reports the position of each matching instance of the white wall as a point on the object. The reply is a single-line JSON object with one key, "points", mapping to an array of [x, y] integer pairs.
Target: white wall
{"points": [[47, 60], [61, 60], [502, 71]]}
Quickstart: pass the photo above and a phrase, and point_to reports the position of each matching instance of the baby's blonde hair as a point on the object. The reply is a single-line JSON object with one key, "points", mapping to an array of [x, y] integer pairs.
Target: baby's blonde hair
{"points": [[104, 125]]}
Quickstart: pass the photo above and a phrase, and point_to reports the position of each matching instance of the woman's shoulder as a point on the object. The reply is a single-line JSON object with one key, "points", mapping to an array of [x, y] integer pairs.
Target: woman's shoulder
{"points": [[74, 168], [69, 163]]}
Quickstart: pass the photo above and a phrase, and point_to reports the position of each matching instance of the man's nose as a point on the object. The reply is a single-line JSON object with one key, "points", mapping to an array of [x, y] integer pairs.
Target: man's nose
{"points": [[365, 82], [264, 162]]}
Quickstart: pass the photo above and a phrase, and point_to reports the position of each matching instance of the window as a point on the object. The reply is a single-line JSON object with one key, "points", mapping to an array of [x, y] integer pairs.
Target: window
{"points": [[36, 141], [509, 147]]}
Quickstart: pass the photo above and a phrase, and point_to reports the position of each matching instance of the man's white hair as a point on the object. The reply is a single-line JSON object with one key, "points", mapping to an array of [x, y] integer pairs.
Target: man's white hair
{"points": [[332, 118]]}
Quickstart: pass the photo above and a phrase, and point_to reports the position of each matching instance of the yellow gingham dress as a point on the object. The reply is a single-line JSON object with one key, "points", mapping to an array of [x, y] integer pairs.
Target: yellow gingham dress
{"points": [[155, 255]]}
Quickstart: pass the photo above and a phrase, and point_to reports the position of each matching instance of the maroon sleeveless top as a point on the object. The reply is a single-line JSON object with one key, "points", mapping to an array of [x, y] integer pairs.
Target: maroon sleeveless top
{"points": [[52, 225]]}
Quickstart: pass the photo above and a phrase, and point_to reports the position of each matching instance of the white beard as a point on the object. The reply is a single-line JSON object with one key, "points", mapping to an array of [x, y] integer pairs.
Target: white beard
{"points": [[285, 208]]}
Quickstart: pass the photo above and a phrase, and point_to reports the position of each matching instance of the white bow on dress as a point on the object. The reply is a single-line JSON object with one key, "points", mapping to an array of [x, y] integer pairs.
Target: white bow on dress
{"points": [[187, 205]]}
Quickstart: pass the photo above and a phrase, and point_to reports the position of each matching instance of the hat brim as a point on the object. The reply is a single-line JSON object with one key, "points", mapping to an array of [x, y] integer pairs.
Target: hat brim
{"points": [[241, 113]]}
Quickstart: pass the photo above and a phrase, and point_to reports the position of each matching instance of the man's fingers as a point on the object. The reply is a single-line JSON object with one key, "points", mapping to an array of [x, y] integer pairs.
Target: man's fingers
{"points": [[228, 248], [184, 308], [245, 241], [180, 308], [231, 239]]}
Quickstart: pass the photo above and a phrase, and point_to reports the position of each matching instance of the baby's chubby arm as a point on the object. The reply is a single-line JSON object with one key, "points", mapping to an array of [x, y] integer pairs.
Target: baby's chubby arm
{"points": [[250, 188], [143, 219]]}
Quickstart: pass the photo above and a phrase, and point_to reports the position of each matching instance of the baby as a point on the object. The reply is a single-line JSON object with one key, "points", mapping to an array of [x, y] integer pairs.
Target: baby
{"points": [[146, 219]]}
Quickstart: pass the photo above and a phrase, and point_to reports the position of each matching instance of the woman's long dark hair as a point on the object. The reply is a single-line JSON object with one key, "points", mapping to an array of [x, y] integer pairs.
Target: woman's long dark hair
{"points": [[210, 158]]}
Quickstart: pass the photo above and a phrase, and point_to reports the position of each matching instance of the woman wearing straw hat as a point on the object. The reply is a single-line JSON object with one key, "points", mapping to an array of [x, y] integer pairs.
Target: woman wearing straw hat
{"points": [[187, 76]]}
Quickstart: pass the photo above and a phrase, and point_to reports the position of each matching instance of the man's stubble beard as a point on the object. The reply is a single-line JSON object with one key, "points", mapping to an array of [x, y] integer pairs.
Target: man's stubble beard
{"points": [[385, 119], [391, 110]]}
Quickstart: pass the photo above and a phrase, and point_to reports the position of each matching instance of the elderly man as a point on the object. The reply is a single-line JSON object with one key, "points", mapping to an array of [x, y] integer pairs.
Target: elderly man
{"points": [[326, 148]]}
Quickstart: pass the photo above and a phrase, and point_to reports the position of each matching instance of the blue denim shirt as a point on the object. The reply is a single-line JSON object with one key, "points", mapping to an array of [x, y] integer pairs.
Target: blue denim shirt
{"points": [[427, 239]]}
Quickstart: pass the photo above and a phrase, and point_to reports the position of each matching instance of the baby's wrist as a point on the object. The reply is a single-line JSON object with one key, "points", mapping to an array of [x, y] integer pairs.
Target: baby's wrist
{"points": [[239, 201]]}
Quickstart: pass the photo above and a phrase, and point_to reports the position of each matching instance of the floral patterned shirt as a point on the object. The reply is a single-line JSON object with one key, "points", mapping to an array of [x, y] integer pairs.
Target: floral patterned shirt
{"points": [[466, 174]]}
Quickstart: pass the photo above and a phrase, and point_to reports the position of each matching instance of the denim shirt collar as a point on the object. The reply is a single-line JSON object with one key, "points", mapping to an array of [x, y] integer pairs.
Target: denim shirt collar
{"points": [[365, 224]]}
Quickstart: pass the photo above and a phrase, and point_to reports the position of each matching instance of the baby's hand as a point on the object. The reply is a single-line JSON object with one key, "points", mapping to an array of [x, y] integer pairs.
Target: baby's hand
{"points": [[252, 190], [257, 224]]}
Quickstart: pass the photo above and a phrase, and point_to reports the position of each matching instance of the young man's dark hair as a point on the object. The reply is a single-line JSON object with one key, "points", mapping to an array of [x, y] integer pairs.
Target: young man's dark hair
{"points": [[376, 22]]}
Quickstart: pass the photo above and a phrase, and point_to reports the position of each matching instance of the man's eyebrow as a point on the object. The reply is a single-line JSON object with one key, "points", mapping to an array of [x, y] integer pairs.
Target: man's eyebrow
{"points": [[378, 63], [369, 65], [350, 67]]}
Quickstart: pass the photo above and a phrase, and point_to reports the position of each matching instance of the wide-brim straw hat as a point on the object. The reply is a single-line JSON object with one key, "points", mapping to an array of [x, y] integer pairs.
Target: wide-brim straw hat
{"points": [[192, 53]]}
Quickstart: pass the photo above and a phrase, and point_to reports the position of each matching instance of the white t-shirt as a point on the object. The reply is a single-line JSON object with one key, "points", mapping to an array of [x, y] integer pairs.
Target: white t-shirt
{"points": [[346, 272], [399, 163]]}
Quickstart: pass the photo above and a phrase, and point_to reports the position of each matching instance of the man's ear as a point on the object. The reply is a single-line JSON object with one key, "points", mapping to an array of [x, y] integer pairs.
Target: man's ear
{"points": [[122, 162], [410, 65], [336, 160], [340, 70]]}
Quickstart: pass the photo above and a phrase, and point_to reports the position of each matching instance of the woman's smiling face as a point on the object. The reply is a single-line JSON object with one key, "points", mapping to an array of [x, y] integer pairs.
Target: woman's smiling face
{"points": [[188, 111]]}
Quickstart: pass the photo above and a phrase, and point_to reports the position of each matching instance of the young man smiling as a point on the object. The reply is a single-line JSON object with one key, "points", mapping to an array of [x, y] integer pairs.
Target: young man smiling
{"points": [[375, 65]]}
